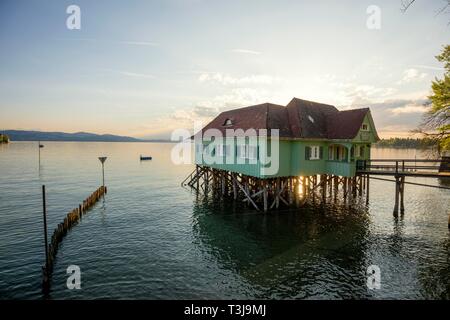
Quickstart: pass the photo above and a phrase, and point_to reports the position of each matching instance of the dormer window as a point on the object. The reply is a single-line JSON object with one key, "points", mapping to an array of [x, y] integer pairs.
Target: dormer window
{"points": [[228, 123]]}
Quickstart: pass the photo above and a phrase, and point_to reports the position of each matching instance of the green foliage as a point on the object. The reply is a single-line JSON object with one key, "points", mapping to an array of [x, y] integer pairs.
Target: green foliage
{"points": [[408, 143], [438, 117], [4, 138]]}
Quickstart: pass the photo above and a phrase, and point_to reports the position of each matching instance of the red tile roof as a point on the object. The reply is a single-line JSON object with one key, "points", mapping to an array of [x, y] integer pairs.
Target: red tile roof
{"points": [[299, 119]]}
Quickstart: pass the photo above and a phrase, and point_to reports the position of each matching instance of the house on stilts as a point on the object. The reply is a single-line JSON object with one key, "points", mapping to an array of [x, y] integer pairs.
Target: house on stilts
{"points": [[270, 155]]}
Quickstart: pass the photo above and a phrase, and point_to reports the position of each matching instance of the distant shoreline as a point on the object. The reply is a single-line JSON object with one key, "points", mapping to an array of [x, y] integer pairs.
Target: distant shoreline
{"points": [[31, 135], [139, 141]]}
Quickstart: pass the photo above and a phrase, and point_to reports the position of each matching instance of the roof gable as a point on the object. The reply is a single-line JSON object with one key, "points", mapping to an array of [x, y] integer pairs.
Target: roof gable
{"points": [[300, 119]]}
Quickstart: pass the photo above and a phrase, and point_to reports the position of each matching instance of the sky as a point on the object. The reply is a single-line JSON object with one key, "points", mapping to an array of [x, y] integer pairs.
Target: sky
{"points": [[145, 68]]}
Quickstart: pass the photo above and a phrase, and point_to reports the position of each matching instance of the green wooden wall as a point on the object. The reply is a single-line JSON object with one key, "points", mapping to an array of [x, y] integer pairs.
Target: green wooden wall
{"points": [[292, 155]]}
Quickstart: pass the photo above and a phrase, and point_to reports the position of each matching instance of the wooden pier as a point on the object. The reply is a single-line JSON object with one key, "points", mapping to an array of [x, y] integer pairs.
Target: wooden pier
{"points": [[269, 193], [399, 169]]}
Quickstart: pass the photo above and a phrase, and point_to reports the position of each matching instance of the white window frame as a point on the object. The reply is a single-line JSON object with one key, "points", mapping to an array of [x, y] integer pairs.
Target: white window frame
{"points": [[330, 152], [242, 151], [252, 152], [357, 151], [341, 153], [315, 153], [219, 150], [227, 150]]}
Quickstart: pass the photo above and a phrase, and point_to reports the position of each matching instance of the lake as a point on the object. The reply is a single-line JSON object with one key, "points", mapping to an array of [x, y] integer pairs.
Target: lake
{"points": [[152, 239]]}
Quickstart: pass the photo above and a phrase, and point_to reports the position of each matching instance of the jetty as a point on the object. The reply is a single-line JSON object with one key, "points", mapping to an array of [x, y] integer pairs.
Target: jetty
{"points": [[323, 154]]}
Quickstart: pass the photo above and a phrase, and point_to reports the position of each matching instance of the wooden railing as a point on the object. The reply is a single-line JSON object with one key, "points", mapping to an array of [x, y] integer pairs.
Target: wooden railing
{"points": [[401, 166]]}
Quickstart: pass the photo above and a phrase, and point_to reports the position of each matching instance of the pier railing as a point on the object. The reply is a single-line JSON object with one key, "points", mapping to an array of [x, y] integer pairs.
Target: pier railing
{"points": [[404, 166]]}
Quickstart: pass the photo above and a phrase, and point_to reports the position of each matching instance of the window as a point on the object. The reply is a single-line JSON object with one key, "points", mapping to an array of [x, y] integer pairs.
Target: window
{"points": [[252, 152], [330, 153], [359, 151], [220, 150], [364, 127], [228, 151], [247, 152], [341, 153], [242, 151], [223, 150], [199, 148], [228, 122], [313, 153]]}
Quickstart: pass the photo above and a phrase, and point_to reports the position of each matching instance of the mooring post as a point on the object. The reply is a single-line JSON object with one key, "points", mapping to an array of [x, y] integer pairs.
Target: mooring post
{"points": [[402, 195], [336, 187], [397, 192], [344, 186], [265, 197], [449, 220], [44, 211], [233, 177], [367, 189]]}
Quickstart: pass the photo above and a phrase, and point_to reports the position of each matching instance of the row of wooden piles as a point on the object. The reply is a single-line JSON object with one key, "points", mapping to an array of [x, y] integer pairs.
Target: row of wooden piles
{"points": [[71, 219], [270, 193]]}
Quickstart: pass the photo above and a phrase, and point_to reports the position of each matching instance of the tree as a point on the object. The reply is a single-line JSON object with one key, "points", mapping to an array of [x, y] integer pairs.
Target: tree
{"points": [[437, 119], [405, 4]]}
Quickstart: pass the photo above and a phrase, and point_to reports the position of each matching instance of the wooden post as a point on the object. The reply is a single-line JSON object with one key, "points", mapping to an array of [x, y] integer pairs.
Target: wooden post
{"points": [[367, 189], [297, 191], [345, 188], [44, 211], [265, 197], [235, 194], [402, 195], [397, 192], [449, 220], [303, 187], [223, 183], [289, 190], [336, 187], [79, 211]]}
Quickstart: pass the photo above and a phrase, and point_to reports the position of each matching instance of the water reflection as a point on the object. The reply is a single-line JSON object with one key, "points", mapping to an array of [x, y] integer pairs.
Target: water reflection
{"points": [[306, 253]]}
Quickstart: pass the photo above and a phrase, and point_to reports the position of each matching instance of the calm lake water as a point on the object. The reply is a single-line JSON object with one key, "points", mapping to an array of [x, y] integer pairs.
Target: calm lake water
{"points": [[152, 239]]}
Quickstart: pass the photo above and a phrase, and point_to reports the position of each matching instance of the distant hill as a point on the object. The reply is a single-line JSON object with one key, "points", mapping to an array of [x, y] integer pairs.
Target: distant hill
{"points": [[22, 135]]}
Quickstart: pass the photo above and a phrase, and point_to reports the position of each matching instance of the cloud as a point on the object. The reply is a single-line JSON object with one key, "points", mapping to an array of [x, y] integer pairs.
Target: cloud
{"points": [[140, 43], [131, 74], [136, 75], [203, 111], [246, 51], [421, 66], [412, 75], [134, 43], [353, 93], [229, 80], [395, 116], [409, 109]]}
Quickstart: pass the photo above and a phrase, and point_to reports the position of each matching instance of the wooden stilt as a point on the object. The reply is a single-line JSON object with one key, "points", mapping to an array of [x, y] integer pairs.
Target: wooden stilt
{"points": [[367, 189], [265, 197], [397, 191], [402, 195]]}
